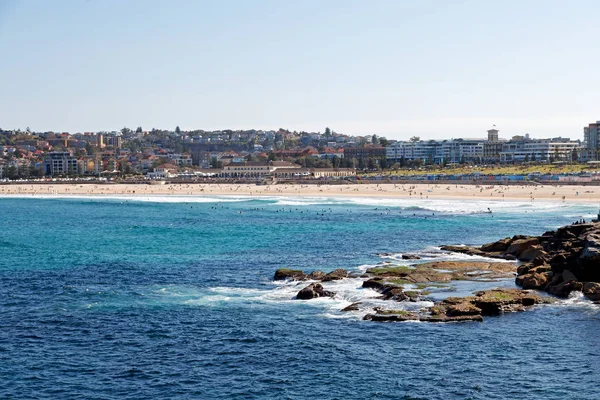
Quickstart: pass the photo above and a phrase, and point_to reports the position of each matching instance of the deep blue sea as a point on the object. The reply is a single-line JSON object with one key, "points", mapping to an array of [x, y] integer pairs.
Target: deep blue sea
{"points": [[173, 298]]}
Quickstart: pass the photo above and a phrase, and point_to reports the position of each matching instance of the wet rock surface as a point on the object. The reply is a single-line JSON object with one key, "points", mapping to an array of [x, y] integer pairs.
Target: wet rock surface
{"points": [[313, 291], [559, 262], [470, 308]]}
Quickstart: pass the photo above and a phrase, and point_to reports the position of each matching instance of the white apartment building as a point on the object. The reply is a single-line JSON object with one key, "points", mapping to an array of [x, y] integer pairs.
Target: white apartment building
{"points": [[558, 149], [437, 152]]}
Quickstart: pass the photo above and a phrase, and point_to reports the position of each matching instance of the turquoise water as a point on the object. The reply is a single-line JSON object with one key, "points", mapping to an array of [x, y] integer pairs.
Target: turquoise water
{"points": [[172, 297]]}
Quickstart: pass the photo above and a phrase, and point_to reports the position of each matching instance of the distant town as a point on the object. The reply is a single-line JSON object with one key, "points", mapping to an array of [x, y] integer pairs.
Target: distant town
{"points": [[256, 154]]}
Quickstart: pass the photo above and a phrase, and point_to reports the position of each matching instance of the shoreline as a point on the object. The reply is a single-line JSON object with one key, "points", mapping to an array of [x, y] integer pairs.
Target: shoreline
{"points": [[417, 191]]}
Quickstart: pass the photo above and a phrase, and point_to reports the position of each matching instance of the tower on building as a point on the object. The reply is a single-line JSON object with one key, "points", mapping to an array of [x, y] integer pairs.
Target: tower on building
{"points": [[493, 135]]}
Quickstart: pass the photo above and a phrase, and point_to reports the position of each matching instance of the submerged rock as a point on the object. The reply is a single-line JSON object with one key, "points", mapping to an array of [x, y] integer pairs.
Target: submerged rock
{"points": [[352, 307]]}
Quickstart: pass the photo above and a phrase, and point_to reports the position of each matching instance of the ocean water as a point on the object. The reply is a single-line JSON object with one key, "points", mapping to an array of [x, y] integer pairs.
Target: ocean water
{"points": [[172, 297]]}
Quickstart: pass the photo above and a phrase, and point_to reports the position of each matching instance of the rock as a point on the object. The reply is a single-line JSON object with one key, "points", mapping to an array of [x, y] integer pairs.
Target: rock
{"points": [[565, 288], [388, 290], [316, 275], [410, 257], [291, 274], [532, 253], [352, 307], [568, 276], [524, 269], [591, 290], [395, 293], [534, 280], [499, 301], [499, 246], [464, 308], [520, 245], [456, 318], [374, 283], [589, 258], [335, 275], [392, 317], [313, 291]]}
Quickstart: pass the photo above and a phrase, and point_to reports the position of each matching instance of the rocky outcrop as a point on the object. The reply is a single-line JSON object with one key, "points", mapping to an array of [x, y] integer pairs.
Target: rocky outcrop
{"points": [[444, 271], [335, 275], [313, 291], [283, 274], [471, 308], [352, 307], [389, 291], [559, 262], [410, 257], [592, 291]]}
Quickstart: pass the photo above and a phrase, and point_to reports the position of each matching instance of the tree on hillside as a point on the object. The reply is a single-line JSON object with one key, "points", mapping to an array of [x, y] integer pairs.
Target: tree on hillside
{"points": [[327, 132], [177, 130], [138, 129], [125, 131], [335, 161], [415, 139], [374, 139], [383, 141]]}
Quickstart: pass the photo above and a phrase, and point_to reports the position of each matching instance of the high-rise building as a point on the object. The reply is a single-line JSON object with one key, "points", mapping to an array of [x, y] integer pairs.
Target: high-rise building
{"points": [[100, 141], [60, 163], [591, 141]]}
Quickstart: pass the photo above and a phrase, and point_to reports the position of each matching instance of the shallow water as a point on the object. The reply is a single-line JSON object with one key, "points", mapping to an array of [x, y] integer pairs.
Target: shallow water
{"points": [[172, 297]]}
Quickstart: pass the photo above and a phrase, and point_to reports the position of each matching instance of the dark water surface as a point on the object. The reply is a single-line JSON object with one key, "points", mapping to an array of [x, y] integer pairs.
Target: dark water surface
{"points": [[173, 298]]}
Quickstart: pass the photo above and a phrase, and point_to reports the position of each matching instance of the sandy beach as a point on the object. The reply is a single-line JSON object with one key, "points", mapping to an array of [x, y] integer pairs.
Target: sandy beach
{"points": [[559, 193]]}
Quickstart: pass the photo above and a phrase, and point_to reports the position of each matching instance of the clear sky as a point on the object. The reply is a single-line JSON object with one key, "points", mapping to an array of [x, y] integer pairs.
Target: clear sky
{"points": [[436, 69]]}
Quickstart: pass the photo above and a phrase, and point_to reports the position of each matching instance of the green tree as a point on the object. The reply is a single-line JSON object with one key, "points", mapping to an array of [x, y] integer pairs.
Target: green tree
{"points": [[374, 139], [383, 163], [415, 139], [11, 172], [327, 132], [335, 161], [384, 142], [90, 149], [138, 129], [324, 163], [177, 130], [214, 163]]}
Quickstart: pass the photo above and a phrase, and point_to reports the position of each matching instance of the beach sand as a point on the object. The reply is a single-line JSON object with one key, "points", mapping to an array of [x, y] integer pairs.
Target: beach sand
{"points": [[566, 193]]}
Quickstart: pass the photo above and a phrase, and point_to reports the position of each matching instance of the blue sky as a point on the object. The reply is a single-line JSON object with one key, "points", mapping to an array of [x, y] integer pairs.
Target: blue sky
{"points": [[436, 69]]}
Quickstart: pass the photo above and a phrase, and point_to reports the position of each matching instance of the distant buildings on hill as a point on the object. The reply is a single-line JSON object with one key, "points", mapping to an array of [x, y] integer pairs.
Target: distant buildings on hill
{"points": [[26, 154]]}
